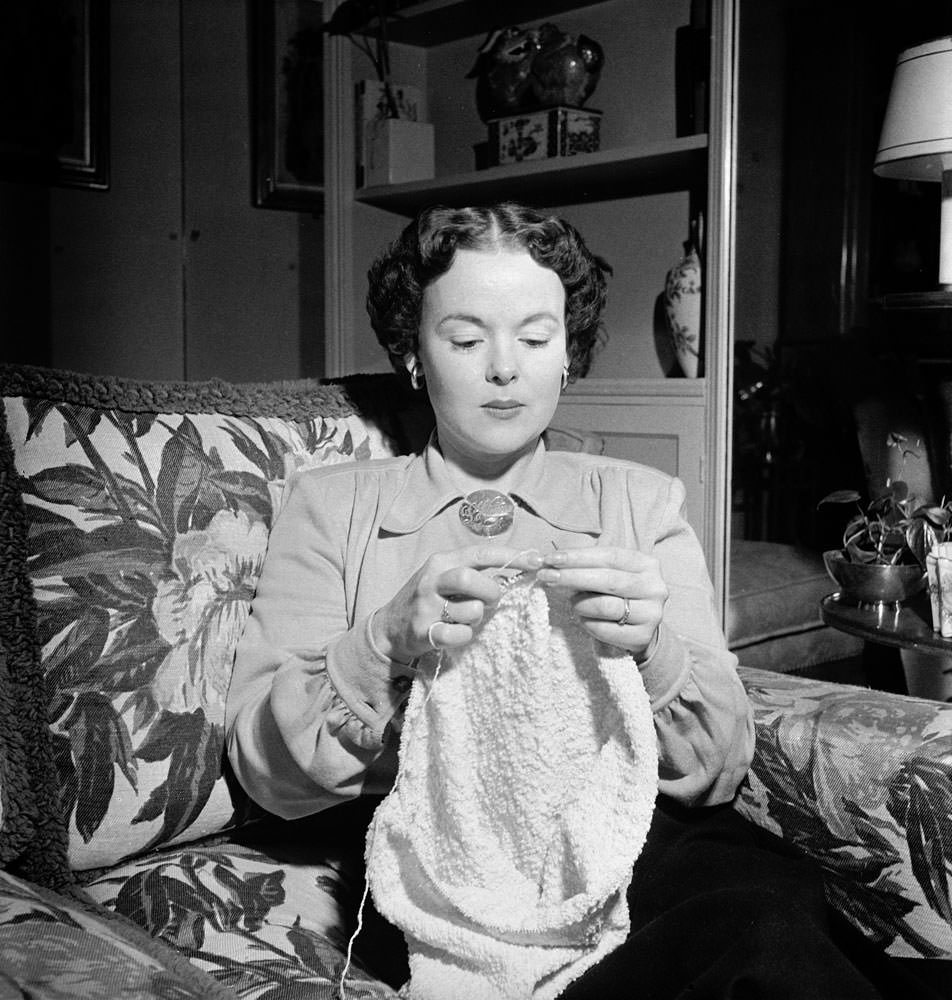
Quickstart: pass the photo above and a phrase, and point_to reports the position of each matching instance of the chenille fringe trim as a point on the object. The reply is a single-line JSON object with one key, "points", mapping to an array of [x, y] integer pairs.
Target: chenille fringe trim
{"points": [[361, 394], [44, 858]]}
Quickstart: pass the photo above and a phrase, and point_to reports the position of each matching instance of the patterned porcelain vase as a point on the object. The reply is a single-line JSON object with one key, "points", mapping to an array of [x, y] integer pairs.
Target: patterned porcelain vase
{"points": [[682, 307]]}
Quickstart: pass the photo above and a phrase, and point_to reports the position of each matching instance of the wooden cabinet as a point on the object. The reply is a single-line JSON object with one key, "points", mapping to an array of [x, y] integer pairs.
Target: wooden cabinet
{"points": [[632, 200]]}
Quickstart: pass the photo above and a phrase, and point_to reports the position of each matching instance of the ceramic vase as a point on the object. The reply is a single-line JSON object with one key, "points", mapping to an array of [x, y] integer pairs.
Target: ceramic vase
{"points": [[682, 307]]}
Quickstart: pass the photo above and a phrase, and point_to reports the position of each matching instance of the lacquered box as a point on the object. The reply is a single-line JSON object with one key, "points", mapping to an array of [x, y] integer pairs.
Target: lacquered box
{"points": [[539, 135]]}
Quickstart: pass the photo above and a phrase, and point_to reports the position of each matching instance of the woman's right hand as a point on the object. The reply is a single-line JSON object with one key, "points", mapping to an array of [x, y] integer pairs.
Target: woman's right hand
{"points": [[455, 580]]}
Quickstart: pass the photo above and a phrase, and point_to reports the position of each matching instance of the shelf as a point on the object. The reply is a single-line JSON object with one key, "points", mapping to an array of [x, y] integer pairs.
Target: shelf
{"points": [[937, 299], [434, 22], [686, 391], [615, 173]]}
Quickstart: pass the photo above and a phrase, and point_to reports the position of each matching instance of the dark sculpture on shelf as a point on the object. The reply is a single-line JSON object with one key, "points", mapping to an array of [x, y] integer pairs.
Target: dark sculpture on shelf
{"points": [[526, 69]]}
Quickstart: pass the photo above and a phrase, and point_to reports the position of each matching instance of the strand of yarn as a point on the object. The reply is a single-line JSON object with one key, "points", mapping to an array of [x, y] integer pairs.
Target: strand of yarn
{"points": [[342, 984], [348, 960]]}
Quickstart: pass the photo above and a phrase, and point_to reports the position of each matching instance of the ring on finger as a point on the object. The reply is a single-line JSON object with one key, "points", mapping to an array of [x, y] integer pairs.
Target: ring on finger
{"points": [[445, 612], [626, 614]]}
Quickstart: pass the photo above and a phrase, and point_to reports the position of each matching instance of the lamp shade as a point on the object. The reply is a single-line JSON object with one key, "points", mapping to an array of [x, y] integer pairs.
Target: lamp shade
{"points": [[916, 140]]}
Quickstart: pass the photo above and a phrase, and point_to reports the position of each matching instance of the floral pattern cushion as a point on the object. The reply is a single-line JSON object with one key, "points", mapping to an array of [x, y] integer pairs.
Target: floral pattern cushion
{"points": [[146, 534], [862, 781], [262, 927], [60, 949]]}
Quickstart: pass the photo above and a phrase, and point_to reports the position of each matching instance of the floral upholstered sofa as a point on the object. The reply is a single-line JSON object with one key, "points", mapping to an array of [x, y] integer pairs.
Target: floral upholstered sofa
{"points": [[134, 518]]}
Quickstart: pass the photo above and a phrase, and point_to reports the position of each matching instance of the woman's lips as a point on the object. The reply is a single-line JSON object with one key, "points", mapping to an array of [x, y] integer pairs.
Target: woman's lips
{"points": [[503, 409]]}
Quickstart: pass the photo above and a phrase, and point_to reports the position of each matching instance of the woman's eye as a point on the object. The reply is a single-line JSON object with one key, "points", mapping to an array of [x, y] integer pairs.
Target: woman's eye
{"points": [[465, 345], [535, 341]]}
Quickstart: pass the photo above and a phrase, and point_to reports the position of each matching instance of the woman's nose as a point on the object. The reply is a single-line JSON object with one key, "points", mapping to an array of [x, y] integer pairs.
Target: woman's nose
{"points": [[502, 369], [502, 375]]}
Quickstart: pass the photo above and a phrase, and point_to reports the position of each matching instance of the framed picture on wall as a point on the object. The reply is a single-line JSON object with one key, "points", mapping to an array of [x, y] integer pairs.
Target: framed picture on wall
{"points": [[288, 94], [54, 71]]}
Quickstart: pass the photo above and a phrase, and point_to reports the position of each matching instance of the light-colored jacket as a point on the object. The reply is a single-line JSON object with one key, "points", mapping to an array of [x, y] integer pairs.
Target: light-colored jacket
{"points": [[310, 716]]}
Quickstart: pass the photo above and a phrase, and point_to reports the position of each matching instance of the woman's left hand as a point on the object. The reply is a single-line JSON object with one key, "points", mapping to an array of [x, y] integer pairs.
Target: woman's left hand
{"points": [[618, 594]]}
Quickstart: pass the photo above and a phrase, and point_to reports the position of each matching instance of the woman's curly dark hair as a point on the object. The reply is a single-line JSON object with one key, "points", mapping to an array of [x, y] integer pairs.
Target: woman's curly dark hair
{"points": [[426, 248]]}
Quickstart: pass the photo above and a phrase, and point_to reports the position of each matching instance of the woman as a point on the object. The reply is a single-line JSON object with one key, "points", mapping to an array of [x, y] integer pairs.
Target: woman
{"points": [[372, 566]]}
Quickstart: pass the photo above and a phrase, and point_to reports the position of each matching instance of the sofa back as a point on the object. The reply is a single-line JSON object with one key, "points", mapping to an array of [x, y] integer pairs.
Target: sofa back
{"points": [[141, 519]]}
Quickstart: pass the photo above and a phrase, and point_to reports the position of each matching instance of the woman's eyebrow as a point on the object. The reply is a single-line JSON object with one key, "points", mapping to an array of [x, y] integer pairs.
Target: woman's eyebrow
{"points": [[461, 318], [544, 315]]}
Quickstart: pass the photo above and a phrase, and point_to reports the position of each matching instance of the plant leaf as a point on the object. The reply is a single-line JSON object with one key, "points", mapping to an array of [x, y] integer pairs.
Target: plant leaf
{"points": [[37, 410], [100, 741], [922, 796], [145, 900], [840, 496], [65, 768], [78, 650], [76, 485], [194, 747], [245, 491], [184, 464]]}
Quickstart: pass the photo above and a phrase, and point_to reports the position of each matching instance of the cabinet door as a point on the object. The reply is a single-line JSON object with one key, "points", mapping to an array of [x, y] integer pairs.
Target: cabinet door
{"points": [[633, 200]]}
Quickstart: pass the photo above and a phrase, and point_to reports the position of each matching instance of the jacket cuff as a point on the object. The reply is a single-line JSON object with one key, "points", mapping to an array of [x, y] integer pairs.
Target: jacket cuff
{"points": [[666, 670], [371, 685]]}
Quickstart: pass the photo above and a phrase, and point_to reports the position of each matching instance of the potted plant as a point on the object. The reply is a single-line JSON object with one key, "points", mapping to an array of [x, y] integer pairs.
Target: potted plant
{"points": [[886, 541], [358, 19], [392, 145]]}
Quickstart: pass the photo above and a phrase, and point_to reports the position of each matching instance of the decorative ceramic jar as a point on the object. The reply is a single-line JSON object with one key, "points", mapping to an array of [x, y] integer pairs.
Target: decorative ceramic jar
{"points": [[682, 307], [566, 68], [527, 69], [873, 583]]}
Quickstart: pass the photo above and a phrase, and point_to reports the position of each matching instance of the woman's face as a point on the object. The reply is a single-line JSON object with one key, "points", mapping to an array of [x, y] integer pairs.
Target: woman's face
{"points": [[492, 346]]}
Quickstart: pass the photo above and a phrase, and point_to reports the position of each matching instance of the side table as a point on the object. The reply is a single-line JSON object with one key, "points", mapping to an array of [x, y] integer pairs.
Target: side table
{"points": [[926, 656]]}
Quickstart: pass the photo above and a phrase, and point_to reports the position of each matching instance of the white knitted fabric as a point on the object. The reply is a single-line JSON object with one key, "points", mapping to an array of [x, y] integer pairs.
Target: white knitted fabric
{"points": [[528, 774]]}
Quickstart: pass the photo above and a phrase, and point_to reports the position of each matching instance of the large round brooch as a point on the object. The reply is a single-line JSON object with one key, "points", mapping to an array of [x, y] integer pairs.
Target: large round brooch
{"points": [[487, 512]]}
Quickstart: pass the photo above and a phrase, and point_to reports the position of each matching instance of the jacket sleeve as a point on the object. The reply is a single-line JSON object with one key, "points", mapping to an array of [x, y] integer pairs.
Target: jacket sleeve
{"points": [[702, 716], [311, 699]]}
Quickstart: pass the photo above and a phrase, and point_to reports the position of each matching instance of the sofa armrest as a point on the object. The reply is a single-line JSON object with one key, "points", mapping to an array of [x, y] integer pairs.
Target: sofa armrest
{"points": [[862, 781], [53, 945]]}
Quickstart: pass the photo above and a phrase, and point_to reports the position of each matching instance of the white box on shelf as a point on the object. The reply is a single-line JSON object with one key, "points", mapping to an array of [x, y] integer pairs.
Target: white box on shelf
{"points": [[370, 104], [398, 151]]}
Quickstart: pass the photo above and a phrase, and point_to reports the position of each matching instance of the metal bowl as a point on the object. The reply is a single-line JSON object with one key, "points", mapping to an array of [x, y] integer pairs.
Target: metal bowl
{"points": [[871, 583]]}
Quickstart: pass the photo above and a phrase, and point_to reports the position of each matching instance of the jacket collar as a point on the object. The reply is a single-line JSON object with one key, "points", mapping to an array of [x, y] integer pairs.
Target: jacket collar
{"points": [[551, 487]]}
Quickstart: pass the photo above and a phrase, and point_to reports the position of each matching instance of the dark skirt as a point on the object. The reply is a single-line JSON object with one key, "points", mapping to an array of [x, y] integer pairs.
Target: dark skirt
{"points": [[720, 910]]}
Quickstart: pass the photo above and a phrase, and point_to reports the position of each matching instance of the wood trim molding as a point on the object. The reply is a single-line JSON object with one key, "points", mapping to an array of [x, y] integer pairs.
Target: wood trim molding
{"points": [[338, 199], [719, 282]]}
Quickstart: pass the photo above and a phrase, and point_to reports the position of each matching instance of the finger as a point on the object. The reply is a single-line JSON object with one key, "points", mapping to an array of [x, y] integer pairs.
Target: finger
{"points": [[498, 557], [463, 612], [476, 580], [482, 557], [465, 583], [449, 635], [609, 608], [631, 638], [619, 583], [594, 557]]}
